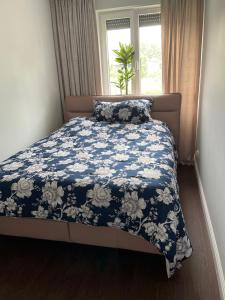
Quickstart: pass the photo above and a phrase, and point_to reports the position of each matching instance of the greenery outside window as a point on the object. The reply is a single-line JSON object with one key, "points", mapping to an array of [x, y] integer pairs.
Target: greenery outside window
{"points": [[141, 28]]}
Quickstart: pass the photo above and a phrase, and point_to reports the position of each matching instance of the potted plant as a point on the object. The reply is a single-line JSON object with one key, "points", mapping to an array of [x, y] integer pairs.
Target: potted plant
{"points": [[124, 57]]}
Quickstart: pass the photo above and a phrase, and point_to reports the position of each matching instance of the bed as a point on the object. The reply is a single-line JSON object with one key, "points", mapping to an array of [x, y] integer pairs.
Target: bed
{"points": [[90, 182]]}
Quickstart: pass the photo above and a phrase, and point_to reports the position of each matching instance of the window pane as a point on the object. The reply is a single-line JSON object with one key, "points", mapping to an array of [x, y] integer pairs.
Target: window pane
{"points": [[150, 59], [118, 24], [114, 37]]}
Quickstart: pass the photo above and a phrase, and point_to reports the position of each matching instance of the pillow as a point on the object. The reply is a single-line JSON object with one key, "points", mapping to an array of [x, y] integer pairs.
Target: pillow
{"points": [[130, 111]]}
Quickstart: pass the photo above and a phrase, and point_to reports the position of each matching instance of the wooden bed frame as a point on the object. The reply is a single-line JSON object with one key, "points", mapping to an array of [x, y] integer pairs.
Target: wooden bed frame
{"points": [[165, 108]]}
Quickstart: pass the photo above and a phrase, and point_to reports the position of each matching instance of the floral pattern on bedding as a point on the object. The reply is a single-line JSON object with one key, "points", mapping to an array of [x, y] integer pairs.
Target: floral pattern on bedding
{"points": [[101, 174], [130, 111]]}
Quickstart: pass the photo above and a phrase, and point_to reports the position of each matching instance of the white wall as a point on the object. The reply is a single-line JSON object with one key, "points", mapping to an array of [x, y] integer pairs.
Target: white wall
{"points": [[106, 4], [29, 93], [211, 131]]}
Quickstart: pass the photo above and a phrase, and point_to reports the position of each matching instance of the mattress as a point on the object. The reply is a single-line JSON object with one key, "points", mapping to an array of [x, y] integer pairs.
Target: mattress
{"points": [[101, 174]]}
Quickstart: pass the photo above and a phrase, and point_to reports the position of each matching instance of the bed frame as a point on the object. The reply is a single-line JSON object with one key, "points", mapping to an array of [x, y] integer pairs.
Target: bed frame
{"points": [[165, 108]]}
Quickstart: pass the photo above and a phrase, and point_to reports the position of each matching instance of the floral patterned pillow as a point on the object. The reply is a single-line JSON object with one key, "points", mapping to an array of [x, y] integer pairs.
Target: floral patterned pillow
{"points": [[131, 111]]}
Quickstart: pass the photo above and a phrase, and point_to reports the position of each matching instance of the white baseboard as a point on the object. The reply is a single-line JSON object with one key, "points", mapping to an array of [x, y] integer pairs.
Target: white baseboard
{"points": [[215, 251]]}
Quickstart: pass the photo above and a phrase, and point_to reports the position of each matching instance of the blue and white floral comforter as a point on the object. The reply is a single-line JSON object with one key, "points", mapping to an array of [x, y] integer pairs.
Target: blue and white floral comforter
{"points": [[96, 173]]}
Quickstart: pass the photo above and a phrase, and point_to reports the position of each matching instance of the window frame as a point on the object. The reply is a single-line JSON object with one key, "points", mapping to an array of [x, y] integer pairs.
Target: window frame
{"points": [[132, 13]]}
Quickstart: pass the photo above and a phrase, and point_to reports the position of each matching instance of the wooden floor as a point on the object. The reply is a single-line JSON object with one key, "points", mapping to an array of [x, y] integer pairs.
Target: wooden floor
{"points": [[33, 269]]}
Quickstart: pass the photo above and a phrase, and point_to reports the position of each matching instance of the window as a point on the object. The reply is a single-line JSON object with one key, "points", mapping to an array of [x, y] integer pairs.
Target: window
{"points": [[118, 30], [142, 29]]}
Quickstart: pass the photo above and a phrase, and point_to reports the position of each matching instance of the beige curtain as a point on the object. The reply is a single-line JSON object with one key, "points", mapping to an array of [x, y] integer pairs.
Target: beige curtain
{"points": [[182, 22], [76, 45]]}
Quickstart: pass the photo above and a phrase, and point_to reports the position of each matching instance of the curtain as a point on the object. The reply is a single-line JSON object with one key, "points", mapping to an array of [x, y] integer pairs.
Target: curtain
{"points": [[182, 24], [76, 46]]}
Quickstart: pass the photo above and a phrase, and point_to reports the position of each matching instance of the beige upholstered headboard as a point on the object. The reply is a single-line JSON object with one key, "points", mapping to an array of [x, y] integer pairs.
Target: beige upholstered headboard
{"points": [[165, 108]]}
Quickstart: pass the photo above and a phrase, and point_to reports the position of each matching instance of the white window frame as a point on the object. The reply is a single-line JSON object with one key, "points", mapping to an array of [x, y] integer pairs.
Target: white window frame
{"points": [[132, 13]]}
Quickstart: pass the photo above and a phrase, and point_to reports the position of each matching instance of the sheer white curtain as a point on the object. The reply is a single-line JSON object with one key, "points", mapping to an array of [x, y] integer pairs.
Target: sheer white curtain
{"points": [[182, 23], [76, 45]]}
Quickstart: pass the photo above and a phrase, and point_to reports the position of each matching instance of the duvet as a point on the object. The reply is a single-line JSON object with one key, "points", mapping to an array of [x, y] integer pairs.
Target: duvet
{"points": [[101, 174]]}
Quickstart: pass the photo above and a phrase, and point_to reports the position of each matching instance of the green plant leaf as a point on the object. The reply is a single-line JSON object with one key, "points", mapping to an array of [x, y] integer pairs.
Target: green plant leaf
{"points": [[124, 57]]}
